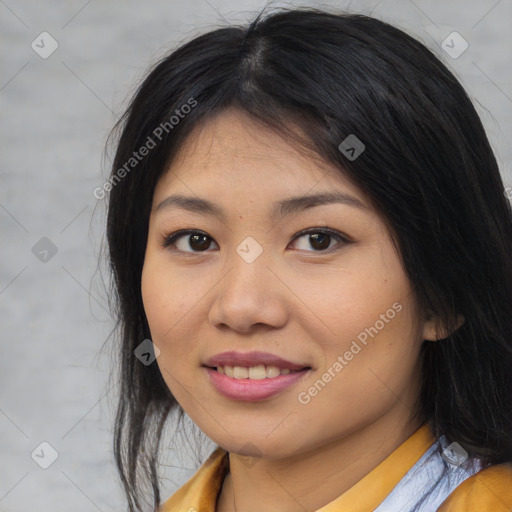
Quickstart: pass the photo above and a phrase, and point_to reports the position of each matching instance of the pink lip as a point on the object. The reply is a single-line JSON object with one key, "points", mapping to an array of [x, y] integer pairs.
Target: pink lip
{"points": [[251, 390], [254, 358]]}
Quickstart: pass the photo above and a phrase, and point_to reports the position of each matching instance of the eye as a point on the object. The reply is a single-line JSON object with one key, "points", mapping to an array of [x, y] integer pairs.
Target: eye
{"points": [[194, 241], [320, 239], [188, 241]]}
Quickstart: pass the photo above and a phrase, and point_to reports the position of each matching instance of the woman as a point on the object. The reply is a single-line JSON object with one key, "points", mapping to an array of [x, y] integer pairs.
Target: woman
{"points": [[307, 221]]}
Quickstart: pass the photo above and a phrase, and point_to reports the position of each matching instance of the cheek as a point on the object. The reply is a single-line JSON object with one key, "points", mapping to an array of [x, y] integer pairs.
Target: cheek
{"points": [[168, 304], [370, 312], [374, 359], [352, 299], [169, 308], [363, 381]]}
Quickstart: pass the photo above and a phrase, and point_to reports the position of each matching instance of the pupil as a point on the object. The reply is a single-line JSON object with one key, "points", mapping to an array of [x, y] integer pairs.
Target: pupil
{"points": [[199, 242], [322, 238]]}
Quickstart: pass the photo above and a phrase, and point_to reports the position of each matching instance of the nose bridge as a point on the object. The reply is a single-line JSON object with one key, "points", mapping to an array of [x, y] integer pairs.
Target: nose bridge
{"points": [[248, 293], [248, 267]]}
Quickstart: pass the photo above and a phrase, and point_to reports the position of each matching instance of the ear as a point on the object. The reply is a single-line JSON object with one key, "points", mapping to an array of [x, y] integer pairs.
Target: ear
{"points": [[432, 330]]}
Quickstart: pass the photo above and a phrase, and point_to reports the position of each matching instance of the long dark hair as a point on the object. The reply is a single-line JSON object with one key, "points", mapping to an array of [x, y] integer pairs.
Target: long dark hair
{"points": [[427, 166]]}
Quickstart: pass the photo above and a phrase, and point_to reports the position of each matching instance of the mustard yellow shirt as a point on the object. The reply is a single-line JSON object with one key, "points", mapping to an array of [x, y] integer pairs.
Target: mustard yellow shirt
{"points": [[489, 490]]}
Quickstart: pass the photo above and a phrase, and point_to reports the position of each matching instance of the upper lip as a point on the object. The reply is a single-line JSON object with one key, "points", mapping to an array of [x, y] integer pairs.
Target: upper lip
{"points": [[247, 359]]}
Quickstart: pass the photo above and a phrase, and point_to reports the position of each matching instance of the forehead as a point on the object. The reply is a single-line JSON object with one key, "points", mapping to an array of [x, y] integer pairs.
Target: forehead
{"points": [[235, 152]]}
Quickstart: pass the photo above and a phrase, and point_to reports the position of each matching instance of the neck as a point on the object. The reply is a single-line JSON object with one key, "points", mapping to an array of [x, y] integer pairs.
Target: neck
{"points": [[308, 481]]}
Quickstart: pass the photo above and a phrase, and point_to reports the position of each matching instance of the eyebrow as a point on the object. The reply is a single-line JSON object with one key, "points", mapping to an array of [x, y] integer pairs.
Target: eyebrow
{"points": [[280, 209]]}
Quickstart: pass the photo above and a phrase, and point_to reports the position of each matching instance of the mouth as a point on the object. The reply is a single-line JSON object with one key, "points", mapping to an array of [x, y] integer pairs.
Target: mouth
{"points": [[253, 376]]}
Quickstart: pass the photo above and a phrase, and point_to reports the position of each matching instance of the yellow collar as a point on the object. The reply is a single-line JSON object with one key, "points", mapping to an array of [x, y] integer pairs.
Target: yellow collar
{"points": [[200, 493]]}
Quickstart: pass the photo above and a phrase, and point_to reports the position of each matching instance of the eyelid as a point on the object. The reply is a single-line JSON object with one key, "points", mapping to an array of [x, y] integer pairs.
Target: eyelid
{"points": [[170, 239]]}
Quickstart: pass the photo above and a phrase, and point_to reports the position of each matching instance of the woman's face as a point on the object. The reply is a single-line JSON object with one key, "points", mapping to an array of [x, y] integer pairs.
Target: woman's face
{"points": [[276, 341]]}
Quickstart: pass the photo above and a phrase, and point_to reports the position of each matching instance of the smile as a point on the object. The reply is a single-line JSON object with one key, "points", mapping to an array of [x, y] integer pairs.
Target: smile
{"points": [[258, 372], [250, 389]]}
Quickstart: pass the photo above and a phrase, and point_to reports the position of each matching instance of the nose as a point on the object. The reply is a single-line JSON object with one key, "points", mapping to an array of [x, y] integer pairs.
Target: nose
{"points": [[250, 297]]}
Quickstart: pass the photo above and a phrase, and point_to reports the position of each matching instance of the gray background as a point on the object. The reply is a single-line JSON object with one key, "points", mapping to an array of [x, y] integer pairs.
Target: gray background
{"points": [[55, 116]]}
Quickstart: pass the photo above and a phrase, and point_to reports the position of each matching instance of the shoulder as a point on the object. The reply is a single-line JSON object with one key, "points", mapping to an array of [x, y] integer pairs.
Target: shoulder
{"points": [[489, 490]]}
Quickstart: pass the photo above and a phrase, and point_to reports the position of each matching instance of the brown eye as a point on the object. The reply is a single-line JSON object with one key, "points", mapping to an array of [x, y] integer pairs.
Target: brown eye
{"points": [[188, 241], [319, 239], [199, 242]]}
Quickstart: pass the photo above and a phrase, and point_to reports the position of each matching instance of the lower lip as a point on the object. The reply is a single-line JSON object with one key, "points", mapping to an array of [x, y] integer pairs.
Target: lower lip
{"points": [[251, 390]]}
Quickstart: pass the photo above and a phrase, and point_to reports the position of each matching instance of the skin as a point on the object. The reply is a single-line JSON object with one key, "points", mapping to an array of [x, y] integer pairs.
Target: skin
{"points": [[297, 300]]}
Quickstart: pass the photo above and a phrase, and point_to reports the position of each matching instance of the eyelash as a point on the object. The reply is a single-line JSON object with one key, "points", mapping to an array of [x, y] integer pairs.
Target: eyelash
{"points": [[169, 240]]}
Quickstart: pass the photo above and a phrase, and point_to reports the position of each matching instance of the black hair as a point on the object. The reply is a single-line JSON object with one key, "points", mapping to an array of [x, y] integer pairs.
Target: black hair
{"points": [[317, 77]]}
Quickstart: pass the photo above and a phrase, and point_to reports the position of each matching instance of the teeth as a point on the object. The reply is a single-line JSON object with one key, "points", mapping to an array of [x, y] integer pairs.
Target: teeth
{"points": [[273, 371], [239, 372], [258, 372]]}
